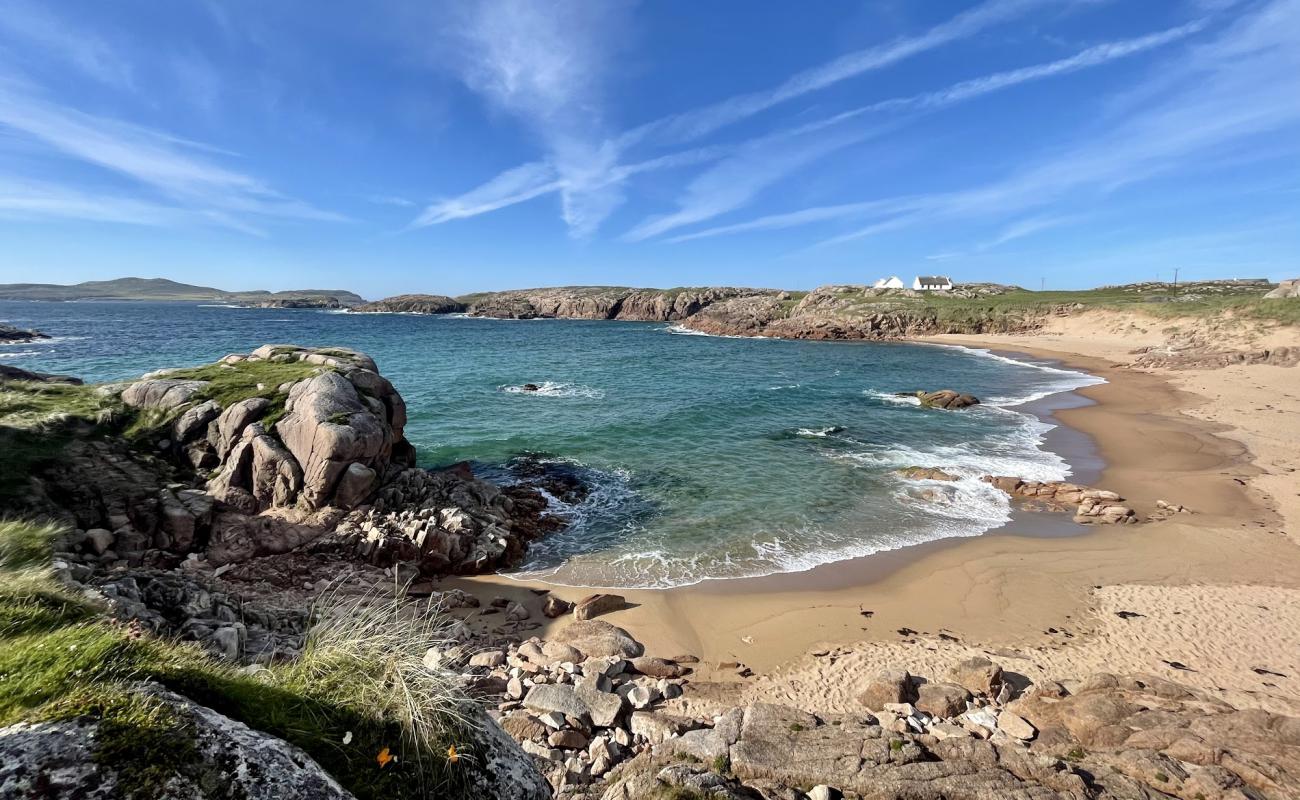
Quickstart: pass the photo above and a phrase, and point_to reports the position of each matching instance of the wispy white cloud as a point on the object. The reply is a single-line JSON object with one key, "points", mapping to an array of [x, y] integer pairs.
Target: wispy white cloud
{"points": [[27, 199], [505, 47], [1225, 91], [171, 166], [735, 181], [1028, 227], [703, 121], [543, 64], [756, 165], [512, 186], [84, 50]]}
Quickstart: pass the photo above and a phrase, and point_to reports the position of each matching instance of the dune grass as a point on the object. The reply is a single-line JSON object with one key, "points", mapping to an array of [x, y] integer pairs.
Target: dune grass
{"points": [[360, 674]]}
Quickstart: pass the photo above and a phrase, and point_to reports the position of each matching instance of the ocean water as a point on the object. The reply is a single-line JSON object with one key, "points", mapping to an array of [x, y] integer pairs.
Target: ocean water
{"points": [[707, 457]]}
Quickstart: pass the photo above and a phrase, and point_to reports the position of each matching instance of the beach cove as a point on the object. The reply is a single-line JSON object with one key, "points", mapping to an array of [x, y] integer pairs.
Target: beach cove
{"points": [[1049, 605]]}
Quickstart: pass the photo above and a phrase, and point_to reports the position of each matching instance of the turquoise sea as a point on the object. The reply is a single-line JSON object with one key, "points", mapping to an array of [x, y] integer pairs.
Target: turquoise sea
{"points": [[707, 457]]}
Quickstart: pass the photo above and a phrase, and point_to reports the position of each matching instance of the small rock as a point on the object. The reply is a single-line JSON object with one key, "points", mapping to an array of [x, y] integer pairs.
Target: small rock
{"points": [[597, 604], [1016, 726], [568, 739], [554, 607], [942, 699], [489, 658]]}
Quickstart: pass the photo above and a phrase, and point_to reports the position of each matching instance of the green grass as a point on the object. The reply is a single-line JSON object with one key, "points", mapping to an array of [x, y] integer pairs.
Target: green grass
{"points": [[38, 421], [1015, 308], [228, 384], [360, 673]]}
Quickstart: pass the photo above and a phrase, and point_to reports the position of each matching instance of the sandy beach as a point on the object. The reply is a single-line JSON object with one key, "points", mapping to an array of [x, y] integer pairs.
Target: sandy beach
{"points": [[1211, 598]]}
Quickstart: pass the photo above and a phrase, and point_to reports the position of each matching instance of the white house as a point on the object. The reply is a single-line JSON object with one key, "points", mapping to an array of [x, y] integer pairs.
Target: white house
{"points": [[931, 283], [892, 282]]}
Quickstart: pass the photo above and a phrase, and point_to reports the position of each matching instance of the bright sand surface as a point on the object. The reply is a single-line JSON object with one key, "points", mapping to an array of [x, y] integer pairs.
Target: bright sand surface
{"points": [[1216, 591]]}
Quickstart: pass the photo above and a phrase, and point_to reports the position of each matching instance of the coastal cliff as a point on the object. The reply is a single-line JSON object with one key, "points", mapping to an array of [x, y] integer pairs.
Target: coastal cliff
{"points": [[571, 302]]}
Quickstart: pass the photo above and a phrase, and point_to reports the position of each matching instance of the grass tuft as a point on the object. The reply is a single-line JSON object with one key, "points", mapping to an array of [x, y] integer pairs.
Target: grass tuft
{"points": [[361, 673]]}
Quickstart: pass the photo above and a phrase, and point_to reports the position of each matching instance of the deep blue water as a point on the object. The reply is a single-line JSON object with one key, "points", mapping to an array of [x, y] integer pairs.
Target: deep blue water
{"points": [[710, 457]]}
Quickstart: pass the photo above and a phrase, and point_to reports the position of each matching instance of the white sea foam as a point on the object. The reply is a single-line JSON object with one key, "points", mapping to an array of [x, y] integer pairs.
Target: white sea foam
{"points": [[784, 386], [819, 433], [682, 330], [892, 398], [554, 389], [1069, 381]]}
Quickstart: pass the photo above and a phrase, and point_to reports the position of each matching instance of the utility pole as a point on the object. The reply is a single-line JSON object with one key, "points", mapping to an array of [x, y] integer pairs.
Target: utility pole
{"points": [[1175, 277], [1042, 284]]}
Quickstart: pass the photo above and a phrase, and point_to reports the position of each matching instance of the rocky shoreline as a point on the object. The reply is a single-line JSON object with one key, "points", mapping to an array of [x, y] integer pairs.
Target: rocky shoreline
{"points": [[219, 504]]}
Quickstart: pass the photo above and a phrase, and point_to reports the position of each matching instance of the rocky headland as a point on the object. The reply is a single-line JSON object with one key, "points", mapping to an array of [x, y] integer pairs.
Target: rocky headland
{"points": [[412, 304]]}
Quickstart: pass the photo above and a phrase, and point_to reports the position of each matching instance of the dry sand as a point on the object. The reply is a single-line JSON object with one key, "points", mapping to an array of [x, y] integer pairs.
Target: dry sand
{"points": [[1217, 591]]}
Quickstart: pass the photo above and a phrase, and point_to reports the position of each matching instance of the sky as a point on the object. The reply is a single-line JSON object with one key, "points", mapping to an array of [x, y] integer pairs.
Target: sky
{"points": [[449, 147]]}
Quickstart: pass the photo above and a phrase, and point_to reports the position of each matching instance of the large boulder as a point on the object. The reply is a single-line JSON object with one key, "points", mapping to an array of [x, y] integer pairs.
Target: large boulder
{"points": [[1285, 289], [161, 394], [887, 687], [327, 428], [221, 759], [978, 676], [598, 639], [232, 422]]}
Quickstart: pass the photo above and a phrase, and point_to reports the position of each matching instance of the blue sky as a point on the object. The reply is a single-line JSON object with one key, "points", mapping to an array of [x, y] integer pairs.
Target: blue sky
{"points": [[455, 146]]}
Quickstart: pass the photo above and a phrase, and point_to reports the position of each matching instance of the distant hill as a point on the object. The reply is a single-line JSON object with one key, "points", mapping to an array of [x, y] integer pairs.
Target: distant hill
{"points": [[161, 289]]}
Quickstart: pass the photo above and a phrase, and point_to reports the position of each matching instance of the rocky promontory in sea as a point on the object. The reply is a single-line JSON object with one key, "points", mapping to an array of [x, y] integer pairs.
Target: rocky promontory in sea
{"points": [[11, 335], [412, 304]]}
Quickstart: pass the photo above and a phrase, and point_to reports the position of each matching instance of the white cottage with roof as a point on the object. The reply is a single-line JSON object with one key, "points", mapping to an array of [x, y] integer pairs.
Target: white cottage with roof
{"points": [[932, 283]]}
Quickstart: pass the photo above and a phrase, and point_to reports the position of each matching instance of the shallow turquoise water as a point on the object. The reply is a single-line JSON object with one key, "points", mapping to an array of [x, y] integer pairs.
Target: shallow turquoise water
{"points": [[709, 457]]}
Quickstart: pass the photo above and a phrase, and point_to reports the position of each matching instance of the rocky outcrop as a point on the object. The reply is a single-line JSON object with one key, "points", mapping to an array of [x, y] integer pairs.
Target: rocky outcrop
{"points": [[209, 757], [603, 302], [946, 399], [11, 335], [1198, 354], [1104, 738], [855, 312], [444, 522], [925, 474], [8, 373], [412, 304], [232, 468], [1090, 505], [1285, 289]]}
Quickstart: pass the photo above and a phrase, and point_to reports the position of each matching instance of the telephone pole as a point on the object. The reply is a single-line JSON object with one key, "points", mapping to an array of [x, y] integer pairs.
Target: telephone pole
{"points": [[1175, 277]]}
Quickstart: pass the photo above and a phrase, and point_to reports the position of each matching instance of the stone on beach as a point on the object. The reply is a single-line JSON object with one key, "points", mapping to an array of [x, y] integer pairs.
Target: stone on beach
{"points": [[886, 688], [596, 604], [597, 638]]}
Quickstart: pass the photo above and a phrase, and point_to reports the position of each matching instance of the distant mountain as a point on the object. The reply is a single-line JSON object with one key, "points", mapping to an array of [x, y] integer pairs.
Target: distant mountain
{"points": [[161, 289]]}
